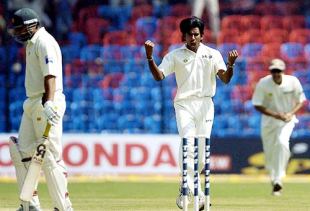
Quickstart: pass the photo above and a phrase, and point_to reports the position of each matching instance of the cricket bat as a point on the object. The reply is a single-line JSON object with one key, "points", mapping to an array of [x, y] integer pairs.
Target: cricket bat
{"points": [[33, 173]]}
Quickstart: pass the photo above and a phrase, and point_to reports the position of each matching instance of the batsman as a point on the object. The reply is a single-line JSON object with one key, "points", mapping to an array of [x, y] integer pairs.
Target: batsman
{"points": [[44, 105], [196, 67]]}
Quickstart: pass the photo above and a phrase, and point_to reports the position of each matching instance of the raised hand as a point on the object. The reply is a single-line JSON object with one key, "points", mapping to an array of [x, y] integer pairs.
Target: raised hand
{"points": [[232, 56], [149, 46]]}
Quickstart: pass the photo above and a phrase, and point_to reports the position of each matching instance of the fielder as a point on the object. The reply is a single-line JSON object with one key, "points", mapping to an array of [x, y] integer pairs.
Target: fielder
{"points": [[278, 97], [196, 67], [45, 103]]}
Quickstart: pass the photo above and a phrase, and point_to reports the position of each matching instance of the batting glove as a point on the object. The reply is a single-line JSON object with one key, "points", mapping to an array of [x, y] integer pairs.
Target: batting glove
{"points": [[50, 111]]}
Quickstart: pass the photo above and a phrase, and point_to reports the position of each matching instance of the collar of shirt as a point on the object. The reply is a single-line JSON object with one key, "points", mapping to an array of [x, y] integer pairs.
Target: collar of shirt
{"points": [[283, 83], [36, 35], [184, 47]]}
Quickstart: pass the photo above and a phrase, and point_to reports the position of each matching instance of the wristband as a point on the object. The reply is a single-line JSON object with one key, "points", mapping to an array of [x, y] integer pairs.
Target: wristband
{"points": [[150, 59], [230, 66], [48, 103]]}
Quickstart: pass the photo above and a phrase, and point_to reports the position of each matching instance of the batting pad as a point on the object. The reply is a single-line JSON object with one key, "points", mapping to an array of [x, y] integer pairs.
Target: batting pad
{"points": [[55, 175], [21, 169]]}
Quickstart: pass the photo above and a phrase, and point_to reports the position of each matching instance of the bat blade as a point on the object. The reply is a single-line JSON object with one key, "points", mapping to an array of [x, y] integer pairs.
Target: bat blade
{"points": [[33, 173]]}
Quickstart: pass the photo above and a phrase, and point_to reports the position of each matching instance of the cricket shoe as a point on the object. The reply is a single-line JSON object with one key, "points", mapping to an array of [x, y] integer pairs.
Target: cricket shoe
{"points": [[69, 209], [31, 208], [202, 203], [277, 189], [179, 200]]}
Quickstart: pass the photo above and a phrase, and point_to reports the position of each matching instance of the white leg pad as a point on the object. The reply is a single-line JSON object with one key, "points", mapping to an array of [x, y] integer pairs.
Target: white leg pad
{"points": [[56, 179], [21, 169]]}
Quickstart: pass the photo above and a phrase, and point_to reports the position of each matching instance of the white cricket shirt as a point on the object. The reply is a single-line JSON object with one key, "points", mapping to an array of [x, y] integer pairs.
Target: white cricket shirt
{"points": [[195, 72], [279, 98], [43, 57]]}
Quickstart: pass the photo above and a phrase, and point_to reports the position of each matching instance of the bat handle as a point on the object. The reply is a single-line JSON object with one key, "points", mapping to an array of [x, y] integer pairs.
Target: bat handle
{"points": [[47, 130]]}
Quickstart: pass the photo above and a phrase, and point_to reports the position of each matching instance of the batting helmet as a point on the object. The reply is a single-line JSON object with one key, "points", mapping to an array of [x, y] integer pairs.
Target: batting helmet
{"points": [[24, 21]]}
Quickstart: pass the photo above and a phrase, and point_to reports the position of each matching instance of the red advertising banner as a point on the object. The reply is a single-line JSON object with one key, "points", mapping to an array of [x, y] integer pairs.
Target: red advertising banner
{"points": [[111, 154]]}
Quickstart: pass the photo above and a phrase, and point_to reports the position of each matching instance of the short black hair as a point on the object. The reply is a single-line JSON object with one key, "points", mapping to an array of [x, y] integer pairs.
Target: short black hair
{"points": [[188, 23]]}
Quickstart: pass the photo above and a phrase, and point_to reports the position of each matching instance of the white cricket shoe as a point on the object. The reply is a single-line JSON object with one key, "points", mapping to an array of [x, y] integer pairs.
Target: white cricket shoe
{"points": [[277, 189], [179, 199], [68, 209], [201, 203], [31, 208]]}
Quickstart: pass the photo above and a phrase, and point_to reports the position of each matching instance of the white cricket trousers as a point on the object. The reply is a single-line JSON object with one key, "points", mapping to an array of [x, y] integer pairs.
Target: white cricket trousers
{"points": [[31, 129], [275, 141], [33, 124], [194, 120]]}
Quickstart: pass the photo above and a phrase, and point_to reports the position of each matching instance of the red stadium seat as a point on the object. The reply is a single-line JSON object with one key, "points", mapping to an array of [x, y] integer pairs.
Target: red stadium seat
{"points": [[270, 22], [169, 22], [254, 77], [207, 36], [176, 37], [300, 36], [85, 14], [228, 36], [249, 22], [141, 11], [164, 36], [275, 35], [293, 22], [231, 22], [168, 33], [118, 38], [95, 29], [250, 36], [271, 50]]}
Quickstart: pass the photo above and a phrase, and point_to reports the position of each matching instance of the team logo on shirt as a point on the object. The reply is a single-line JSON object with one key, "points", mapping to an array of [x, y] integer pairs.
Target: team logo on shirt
{"points": [[185, 60], [48, 60], [207, 56]]}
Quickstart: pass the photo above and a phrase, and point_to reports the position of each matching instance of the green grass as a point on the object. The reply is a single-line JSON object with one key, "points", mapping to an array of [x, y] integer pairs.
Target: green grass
{"points": [[156, 196]]}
